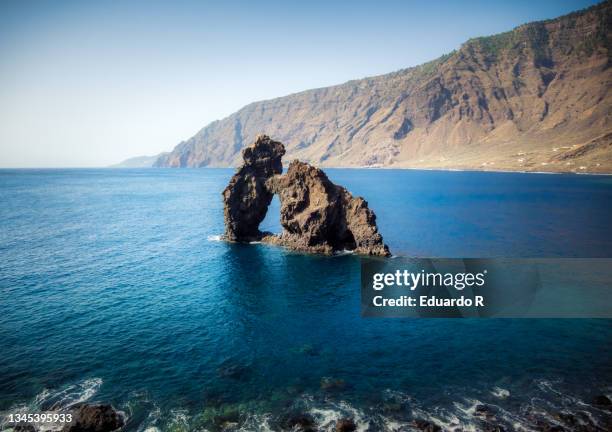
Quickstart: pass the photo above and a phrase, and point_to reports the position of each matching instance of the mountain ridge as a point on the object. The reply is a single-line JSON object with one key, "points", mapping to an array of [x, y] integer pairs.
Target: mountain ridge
{"points": [[138, 162], [531, 99]]}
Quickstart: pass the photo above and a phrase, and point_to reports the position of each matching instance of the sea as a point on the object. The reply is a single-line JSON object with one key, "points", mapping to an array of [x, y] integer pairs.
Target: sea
{"points": [[116, 287]]}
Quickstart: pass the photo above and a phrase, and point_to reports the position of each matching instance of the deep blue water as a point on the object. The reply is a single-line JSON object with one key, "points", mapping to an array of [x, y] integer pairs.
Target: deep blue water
{"points": [[114, 287]]}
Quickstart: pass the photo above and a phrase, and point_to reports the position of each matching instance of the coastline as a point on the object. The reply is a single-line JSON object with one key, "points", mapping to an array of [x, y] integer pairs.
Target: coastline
{"points": [[390, 168], [368, 167]]}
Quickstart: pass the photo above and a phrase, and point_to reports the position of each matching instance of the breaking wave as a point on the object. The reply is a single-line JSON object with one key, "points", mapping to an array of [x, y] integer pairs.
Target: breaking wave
{"points": [[55, 400], [546, 405]]}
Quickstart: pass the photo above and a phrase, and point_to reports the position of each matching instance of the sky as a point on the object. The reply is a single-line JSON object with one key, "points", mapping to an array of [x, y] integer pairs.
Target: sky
{"points": [[91, 83]]}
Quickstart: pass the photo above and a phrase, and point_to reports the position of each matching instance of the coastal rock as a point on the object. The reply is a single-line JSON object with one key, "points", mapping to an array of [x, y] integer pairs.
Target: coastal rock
{"points": [[602, 401], [24, 428], [484, 411], [94, 418], [300, 422], [550, 428], [321, 217], [491, 427], [345, 425], [317, 216], [246, 198], [426, 426]]}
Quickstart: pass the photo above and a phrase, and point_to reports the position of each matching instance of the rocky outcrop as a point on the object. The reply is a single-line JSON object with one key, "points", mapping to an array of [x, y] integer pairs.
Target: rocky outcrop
{"points": [[299, 422], [94, 418], [321, 217], [246, 198], [317, 216], [532, 99], [345, 425]]}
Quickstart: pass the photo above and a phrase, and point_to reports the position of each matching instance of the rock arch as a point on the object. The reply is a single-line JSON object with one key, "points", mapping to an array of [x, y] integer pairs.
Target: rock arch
{"points": [[317, 216]]}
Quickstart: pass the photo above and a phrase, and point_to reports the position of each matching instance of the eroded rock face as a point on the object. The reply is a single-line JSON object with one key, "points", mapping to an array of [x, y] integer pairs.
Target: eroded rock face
{"points": [[95, 418], [317, 216], [246, 198], [321, 217]]}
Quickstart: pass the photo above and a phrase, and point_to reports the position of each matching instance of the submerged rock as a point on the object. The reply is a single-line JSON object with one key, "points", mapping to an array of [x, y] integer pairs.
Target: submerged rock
{"points": [[234, 371], [246, 198], [317, 216], [94, 418], [309, 350], [329, 383], [221, 416]]}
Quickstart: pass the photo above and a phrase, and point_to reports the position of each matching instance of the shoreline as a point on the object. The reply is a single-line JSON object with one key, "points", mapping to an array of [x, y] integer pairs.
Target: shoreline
{"points": [[587, 173], [482, 407]]}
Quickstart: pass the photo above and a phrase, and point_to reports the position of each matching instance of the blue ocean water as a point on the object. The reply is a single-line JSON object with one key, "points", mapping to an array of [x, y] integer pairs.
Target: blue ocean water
{"points": [[114, 287]]}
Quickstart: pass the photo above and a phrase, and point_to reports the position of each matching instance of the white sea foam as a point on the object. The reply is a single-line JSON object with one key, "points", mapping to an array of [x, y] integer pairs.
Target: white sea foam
{"points": [[500, 393], [153, 418], [257, 423], [56, 400], [390, 425], [444, 419], [541, 406], [468, 408], [68, 396], [328, 415], [214, 238]]}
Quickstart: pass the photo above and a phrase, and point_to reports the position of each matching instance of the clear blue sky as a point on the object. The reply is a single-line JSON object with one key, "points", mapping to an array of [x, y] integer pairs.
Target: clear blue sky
{"points": [[86, 83]]}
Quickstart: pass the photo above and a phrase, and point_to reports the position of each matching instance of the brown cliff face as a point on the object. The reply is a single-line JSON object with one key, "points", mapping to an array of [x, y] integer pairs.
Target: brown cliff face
{"points": [[317, 216], [529, 99]]}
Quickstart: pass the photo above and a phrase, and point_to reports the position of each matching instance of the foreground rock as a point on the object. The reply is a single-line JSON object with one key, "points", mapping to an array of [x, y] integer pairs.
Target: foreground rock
{"points": [[603, 401], [426, 426], [346, 425], [300, 422], [246, 198], [317, 216], [94, 418]]}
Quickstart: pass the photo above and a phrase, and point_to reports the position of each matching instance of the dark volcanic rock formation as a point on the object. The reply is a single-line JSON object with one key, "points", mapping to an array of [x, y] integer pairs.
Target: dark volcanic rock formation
{"points": [[94, 418], [346, 425], [246, 198], [317, 216]]}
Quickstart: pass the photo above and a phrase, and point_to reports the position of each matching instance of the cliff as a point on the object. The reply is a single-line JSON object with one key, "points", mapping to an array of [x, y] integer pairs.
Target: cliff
{"points": [[535, 99]]}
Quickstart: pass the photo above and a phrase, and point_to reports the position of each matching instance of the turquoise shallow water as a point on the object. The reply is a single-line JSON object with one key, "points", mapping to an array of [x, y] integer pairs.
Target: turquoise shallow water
{"points": [[115, 287]]}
